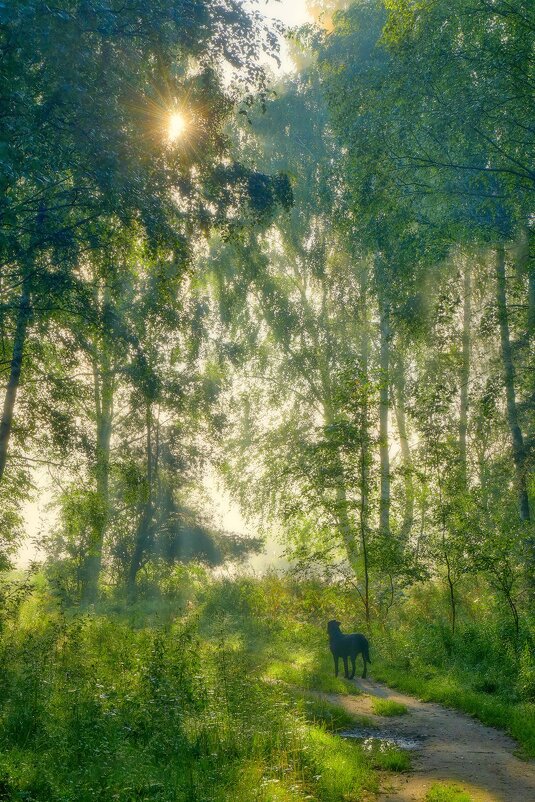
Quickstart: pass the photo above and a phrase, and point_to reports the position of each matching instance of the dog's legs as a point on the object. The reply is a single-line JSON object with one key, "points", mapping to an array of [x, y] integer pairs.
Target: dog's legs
{"points": [[346, 670], [335, 665], [352, 666], [364, 672]]}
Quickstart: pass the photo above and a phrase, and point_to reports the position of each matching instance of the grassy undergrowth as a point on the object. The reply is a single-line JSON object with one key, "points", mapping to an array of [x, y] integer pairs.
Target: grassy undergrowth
{"points": [[317, 709], [447, 793], [387, 707], [213, 693], [450, 689], [485, 669], [202, 701]]}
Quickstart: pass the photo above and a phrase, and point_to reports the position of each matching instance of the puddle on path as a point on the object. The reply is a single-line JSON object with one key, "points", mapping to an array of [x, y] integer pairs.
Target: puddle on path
{"points": [[370, 736]]}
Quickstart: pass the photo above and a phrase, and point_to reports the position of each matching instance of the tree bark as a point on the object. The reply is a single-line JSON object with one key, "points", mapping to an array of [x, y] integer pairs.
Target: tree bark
{"points": [[19, 340], [144, 529], [103, 396], [364, 457], [342, 512], [408, 480], [465, 371], [384, 403], [364, 509], [451, 589], [526, 267], [531, 301], [525, 263], [517, 439]]}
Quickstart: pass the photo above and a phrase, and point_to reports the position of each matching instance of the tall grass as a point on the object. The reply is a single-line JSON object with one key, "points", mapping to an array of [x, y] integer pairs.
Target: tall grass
{"points": [[484, 670], [209, 693], [102, 707]]}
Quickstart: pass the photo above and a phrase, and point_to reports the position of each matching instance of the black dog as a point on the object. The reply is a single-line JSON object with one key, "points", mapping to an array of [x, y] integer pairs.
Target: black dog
{"points": [[345, 646]]}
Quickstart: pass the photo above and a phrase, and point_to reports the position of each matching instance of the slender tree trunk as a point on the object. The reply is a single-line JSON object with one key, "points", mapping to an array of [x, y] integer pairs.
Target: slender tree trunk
{"points": [[451, 587], [516, 620], [526, 264], [145, 525], [344, 524], [465, 370], [103, 394], [365, 447], [364, 512], [518, 446], [506, 589], [531, 300], [19, 340], [449, 571], [408, 480], [384, 403], [342, 512], [531, 341]]}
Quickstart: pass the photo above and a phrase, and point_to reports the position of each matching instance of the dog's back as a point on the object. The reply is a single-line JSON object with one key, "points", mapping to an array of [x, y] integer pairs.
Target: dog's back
{"points": [[347, 645], [359, 645]]}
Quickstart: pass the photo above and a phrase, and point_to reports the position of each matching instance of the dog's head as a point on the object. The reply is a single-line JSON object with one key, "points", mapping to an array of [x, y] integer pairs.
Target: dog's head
{"points": [[333, 627]]}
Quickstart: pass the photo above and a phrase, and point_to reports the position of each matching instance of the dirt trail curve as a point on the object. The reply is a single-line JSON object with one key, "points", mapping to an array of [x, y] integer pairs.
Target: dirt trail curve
{"points": [[454, 749]]}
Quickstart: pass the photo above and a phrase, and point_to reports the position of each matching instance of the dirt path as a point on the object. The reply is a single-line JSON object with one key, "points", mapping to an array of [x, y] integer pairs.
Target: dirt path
{"points": [[454, 748]]}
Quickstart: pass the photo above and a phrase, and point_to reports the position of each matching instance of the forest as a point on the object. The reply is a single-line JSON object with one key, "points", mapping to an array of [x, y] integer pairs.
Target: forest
{"points": [[291, 266]]}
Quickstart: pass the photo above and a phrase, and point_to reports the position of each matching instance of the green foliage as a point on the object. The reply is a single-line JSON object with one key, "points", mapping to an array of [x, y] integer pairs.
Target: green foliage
{"points": [[170, 710], [482, 670], [319, 710], [343, 775], [327, 293], [388, 707], [181, 695], [447, 793]]}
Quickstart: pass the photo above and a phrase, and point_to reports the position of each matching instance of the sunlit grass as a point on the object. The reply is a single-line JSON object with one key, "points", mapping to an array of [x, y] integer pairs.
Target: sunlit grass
{"points": [[340, 766], [388, 707], [309, 667], [220, 696], [319, 710], [447, 793]]}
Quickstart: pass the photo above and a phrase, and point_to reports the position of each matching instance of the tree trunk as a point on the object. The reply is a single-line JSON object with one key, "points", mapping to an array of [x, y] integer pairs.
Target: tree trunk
{"points": [[526, 266], [103, 394], [531, 301], [144, 529], [451, 589], [342, 512], [384, 403], [364, 510], [465, 371], [408, 480], [518, 446], [365, 457], [449, 571], [347, 531], [23, 316]]}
